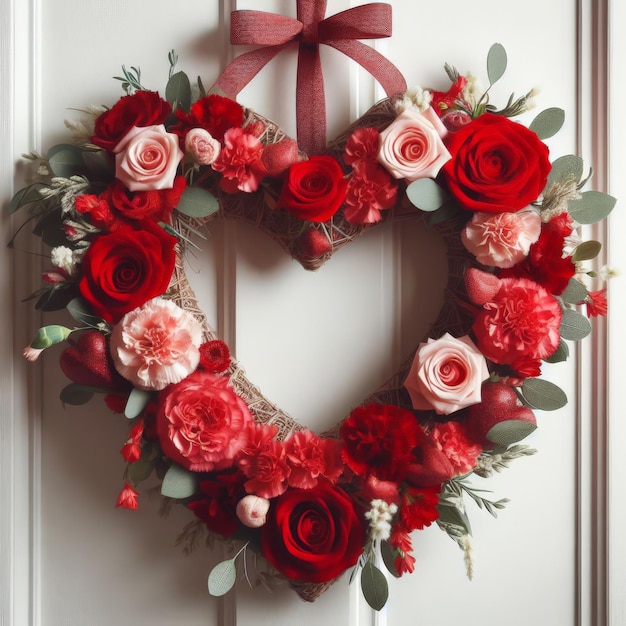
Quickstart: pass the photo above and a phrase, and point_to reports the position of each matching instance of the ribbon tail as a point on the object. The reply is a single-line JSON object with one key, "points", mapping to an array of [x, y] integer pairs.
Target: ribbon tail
{"points": [[244, 68], [310, 101], [383, 70]]}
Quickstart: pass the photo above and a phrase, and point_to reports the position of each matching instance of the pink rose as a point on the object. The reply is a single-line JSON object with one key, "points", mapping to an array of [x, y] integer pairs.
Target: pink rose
{"points": [[252, 511], [412, 147], [202, 146], [446, 375], [156, 344], [147, 158], [202, 423], [501, 239]]}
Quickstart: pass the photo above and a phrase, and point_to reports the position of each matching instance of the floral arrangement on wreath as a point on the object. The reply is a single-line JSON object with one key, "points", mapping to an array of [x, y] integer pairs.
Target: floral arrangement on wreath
{"points": [[117, 207]]}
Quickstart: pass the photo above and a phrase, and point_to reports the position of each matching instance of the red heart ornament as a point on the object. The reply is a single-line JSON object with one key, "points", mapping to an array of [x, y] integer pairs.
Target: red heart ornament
{"points": [[87, 361]]}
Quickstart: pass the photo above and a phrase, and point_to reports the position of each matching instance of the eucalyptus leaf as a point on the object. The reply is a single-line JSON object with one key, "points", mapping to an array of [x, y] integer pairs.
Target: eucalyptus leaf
{"points": [[50, 228], [78, 309], [197, 202], [222, 578], [427, 195], [451, 514], [24, 196], [137, 401], [178, 483], [65, 160], [592, 207], [507, 432], [388, 555], [496, 62], [178, 91], [575, 292], [374, 586], [586, 251], [76, 394], [542, 394], [561, 354], [548, 122], [574, 325], [446, 212], [100, 164], [141, 469], [564, 168]]}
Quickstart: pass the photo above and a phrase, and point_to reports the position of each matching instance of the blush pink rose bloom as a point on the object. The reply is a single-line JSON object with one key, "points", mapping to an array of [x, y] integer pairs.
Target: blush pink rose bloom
{"points": [[202, 146], [202, 423], [252, 511], [147, 158], [411, 147], [453, 441], [501, 239], [156, 344], [446, 375]]}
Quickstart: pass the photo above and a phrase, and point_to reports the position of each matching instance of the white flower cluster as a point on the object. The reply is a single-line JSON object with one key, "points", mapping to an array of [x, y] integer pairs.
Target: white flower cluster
{"points": [[380, 516], [66, 259], [414, 98]]}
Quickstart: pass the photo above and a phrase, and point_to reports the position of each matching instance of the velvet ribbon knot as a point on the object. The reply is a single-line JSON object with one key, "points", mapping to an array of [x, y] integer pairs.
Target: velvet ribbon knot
{"points": [[275, 33]]}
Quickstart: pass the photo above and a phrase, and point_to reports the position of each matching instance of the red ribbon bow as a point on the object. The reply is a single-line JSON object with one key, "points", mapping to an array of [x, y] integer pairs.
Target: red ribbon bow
{"points": [[341, 31]]}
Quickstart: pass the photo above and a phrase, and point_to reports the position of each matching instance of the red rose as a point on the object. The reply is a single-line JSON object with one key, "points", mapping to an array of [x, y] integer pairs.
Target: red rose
{"points": [[379, 440], [143, 108], [124, 269], [497, 165], [314, 189], [216, 114], [312, 535]]}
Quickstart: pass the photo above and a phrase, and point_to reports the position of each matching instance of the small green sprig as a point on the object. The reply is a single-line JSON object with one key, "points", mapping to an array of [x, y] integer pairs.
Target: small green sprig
{"points": [[131, 81]]}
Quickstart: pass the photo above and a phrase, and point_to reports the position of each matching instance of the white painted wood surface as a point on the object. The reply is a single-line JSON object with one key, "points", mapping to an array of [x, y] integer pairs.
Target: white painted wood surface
{"points": [[69, 558]]}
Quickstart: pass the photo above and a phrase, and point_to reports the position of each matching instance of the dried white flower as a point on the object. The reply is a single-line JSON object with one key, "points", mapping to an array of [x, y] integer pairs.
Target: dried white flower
{"points": [[380, 515], [414, 98], [66, 259]]}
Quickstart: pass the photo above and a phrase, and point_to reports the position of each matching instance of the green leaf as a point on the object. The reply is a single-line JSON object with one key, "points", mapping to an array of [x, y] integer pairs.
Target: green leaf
{"points": [[450, 514], [446, 212], [78, 309], [561, 354], [100, 164], [427, 195], [575, 292], [49, 336], [542, 394], [178, 91], [374, 586], [137, 401], [586, 251], [574, 325], [141, 469], [197, 202], [50, 228], [496, 63], [28, 195], [510, 431], [389, 556], [222, 578], [178, 483], [76, 394], [564, 168], [65, 160], [548, 122], [592, 207]]}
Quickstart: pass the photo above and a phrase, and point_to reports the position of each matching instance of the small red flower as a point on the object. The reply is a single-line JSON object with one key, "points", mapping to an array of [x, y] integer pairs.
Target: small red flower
{"points": [[214, 356], [127, 498], [419, 507], [444, 100], [597, 303]]}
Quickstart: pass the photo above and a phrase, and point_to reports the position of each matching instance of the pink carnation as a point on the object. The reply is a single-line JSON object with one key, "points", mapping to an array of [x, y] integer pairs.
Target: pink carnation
{"points": [[263, 461], [370, 191], [202, 423], [311, 457], [240, 162], [452, 440], [156, 344], [362, 145]]}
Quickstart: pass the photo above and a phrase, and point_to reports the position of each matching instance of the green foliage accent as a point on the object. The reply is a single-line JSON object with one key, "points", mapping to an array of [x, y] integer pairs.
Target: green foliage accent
{"points": [[542, 394], [510, 431], [197, 202], [145, 465], [548, 123], [388, 553], [50, 228], [131, 81], [566, 167], [66, 160], [50, 335], [446, 212], [77, 308], [574, 325], [592, 207], [496, 63], [178, 483], [575, 292], [586, 251], [25, 196], [374, 586], [427, 195], [100, 164], [75, 394], [222, 577], [137, 401], [561, 354], [178, 91], [451, 515]]}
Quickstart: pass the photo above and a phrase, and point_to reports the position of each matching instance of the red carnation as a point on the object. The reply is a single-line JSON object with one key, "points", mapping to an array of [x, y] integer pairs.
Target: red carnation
{"points": [[216, 114], [214, 356], [419, 507]]}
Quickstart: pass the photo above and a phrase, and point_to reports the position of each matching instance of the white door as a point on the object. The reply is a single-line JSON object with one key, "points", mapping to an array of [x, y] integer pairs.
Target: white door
{"points": [[78, 561]]}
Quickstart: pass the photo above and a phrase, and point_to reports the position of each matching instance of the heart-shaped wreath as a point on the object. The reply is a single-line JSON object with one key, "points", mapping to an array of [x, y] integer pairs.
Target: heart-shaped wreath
{"points": [[119, 206]]}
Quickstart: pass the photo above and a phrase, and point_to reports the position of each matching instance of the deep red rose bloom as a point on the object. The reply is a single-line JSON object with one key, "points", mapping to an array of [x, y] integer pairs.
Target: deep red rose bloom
{"points": [[216, 114], [379, 440], [217, 508], [314, 190], [124, 269], [143, 108], [497, 165], [313, 535]]}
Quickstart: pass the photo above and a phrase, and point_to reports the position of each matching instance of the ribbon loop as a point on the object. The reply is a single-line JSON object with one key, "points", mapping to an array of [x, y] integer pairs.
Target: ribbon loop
{"points": [[275, 33]]}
